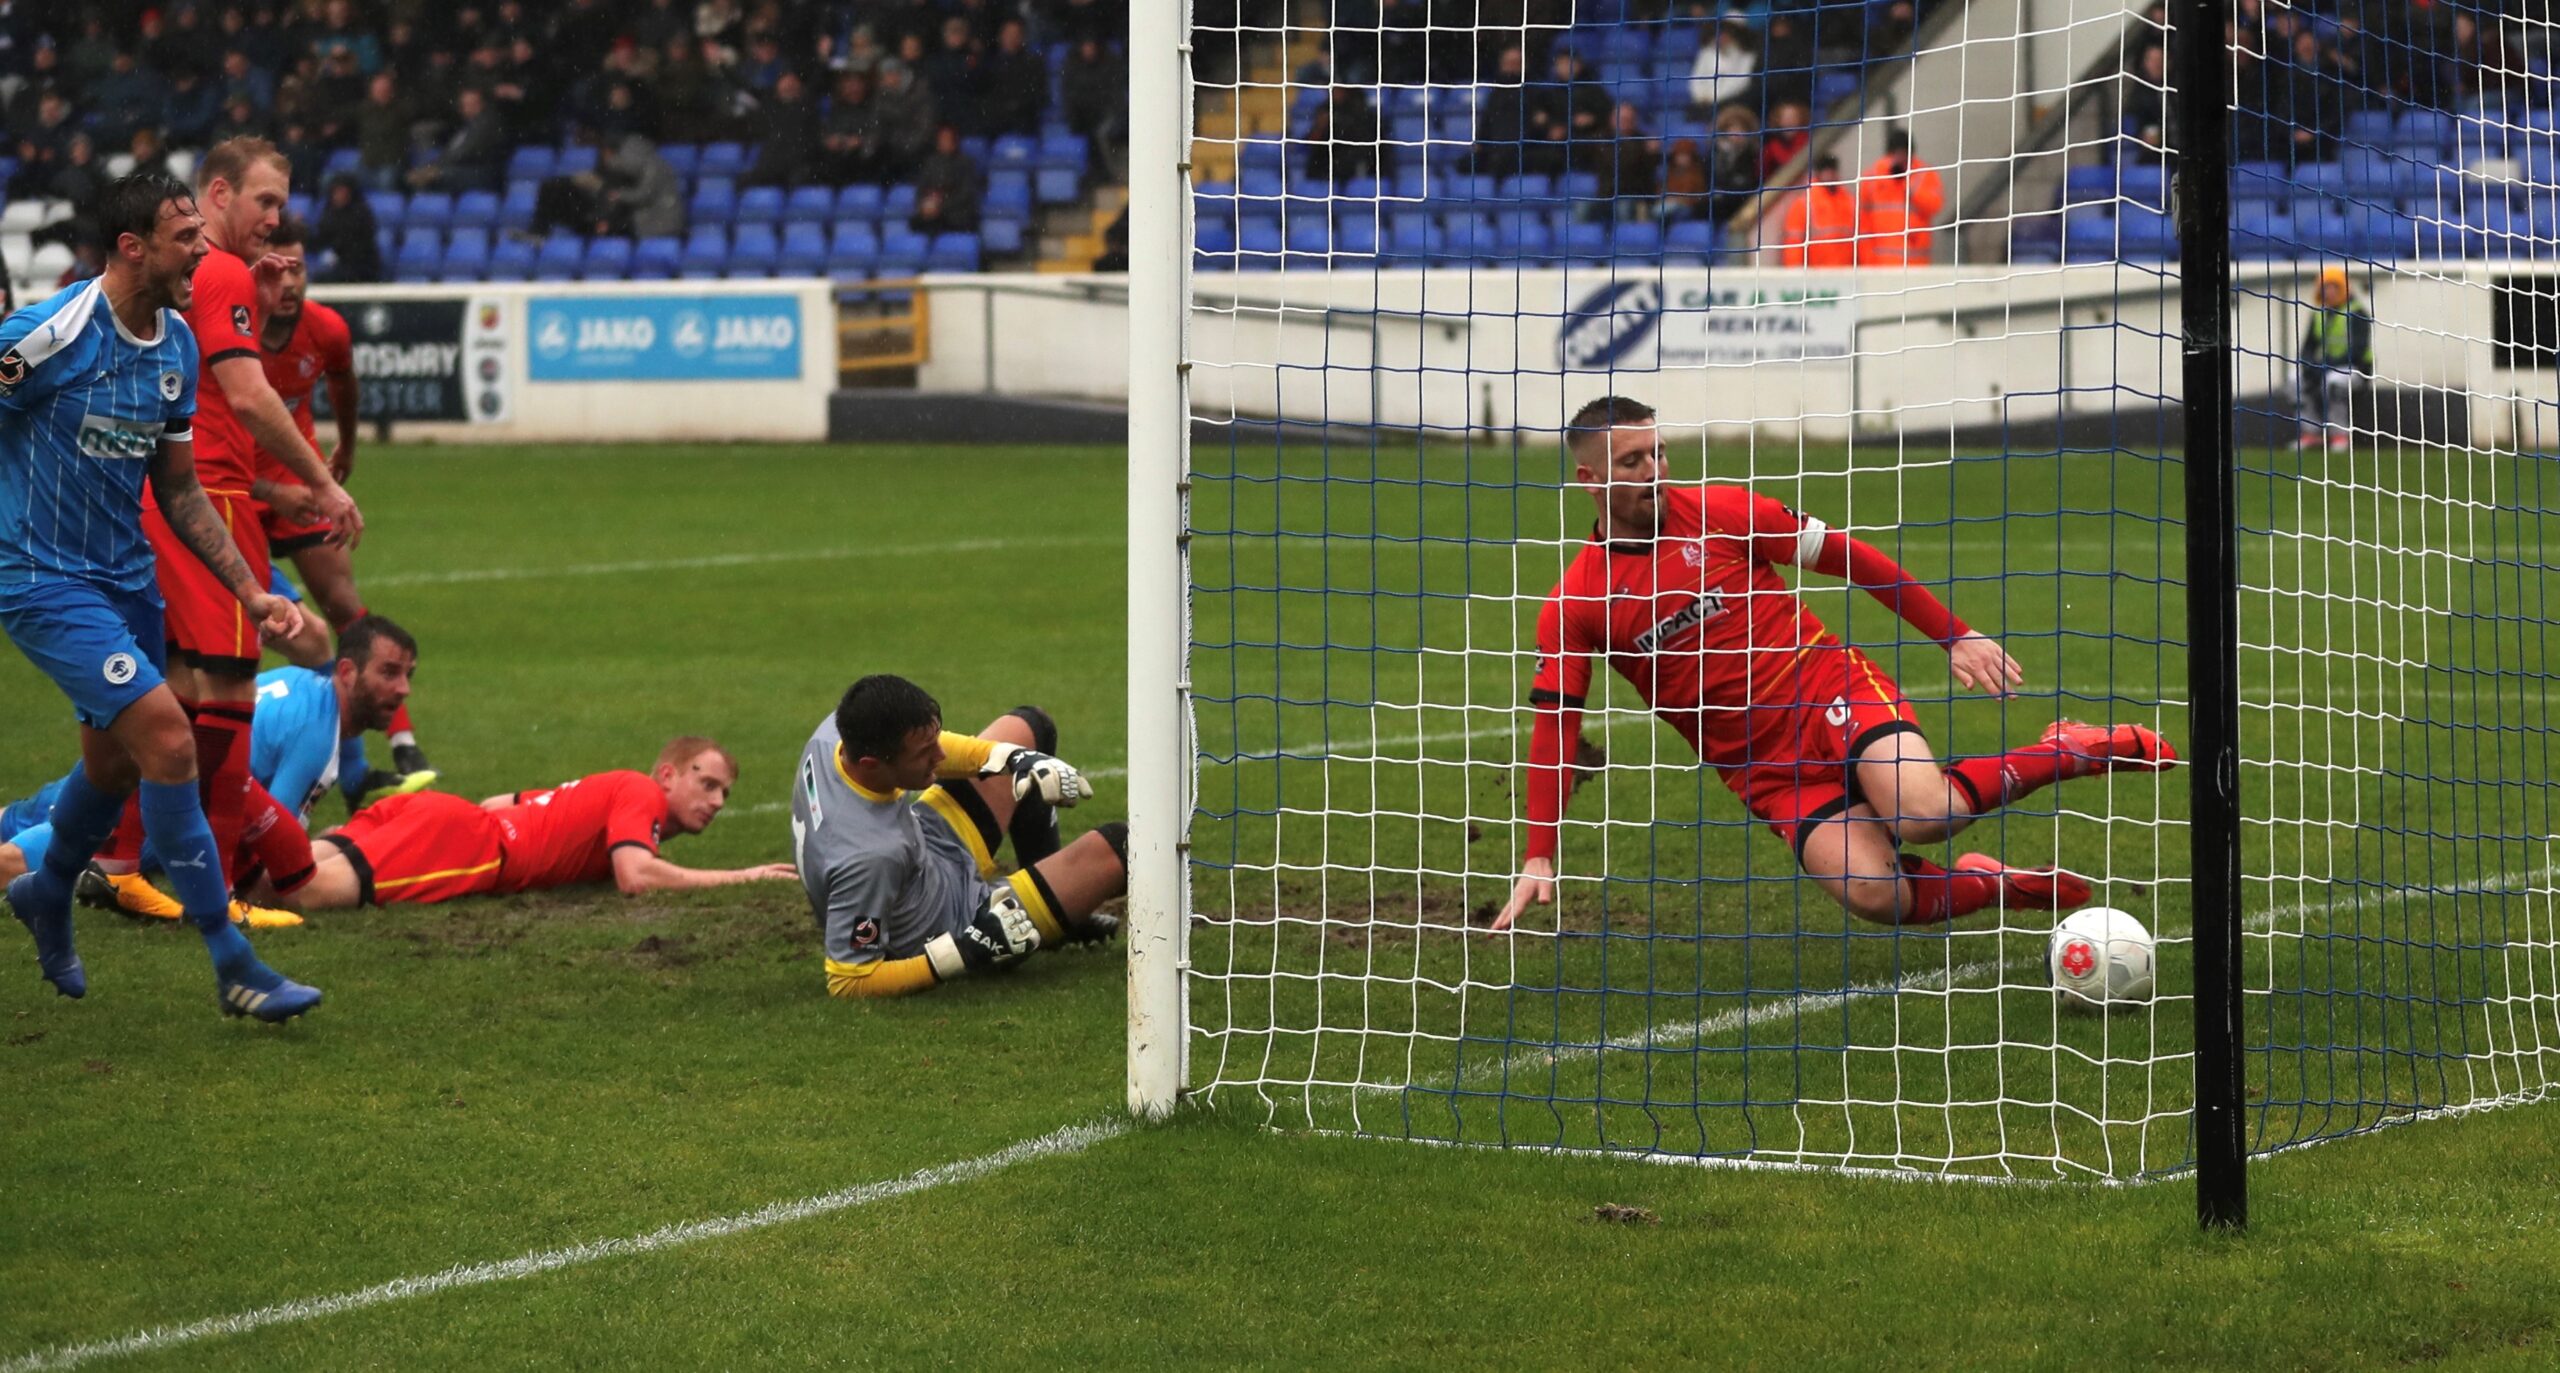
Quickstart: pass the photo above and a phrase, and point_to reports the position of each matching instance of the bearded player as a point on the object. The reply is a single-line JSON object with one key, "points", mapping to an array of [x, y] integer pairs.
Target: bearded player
{"points": [[303, 344], [213, 646], [433, 846], [1679, 589], [97, 386]]}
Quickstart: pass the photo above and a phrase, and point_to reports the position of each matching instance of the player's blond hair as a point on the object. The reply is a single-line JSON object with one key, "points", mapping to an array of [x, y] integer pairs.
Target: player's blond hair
{"points": [[685, 748], [231, 159]]}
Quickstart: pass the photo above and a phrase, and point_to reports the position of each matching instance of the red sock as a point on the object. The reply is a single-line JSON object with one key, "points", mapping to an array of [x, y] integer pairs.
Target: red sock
{"points": [[222, 770], [399, 721], [2002, 778], [1938, 896], [272, 839]]}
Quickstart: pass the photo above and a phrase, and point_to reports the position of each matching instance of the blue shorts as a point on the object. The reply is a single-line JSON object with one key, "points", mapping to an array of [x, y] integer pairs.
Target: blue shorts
{"points": [[278, 585], [105, 648]]}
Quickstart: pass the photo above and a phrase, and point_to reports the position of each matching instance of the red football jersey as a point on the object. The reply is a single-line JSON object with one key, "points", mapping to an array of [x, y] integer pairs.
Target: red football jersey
{"points": [[568, 834], [1697, 618], [319, 345], [225, 318]]}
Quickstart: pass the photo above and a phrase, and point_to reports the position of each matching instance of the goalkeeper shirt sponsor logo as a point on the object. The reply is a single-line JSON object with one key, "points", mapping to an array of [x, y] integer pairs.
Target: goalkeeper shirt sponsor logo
{"points": [[1675, 626]]}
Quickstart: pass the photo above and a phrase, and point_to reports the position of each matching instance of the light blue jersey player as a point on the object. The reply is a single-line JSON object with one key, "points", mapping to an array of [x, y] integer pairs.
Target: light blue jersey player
{"points": [[97, 394]]}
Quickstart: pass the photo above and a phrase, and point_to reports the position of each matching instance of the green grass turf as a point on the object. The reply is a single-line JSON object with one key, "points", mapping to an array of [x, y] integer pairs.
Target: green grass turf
{"points": [[500, 1077]]}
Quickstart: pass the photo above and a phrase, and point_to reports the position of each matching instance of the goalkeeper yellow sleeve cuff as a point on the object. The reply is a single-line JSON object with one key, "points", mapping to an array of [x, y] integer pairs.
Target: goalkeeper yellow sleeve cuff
{"points": [[963, 755], [883, 977]]}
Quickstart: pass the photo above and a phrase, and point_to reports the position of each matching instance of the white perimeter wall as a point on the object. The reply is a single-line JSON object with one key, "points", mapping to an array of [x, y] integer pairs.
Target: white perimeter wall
{"points": [[1933, 347]]}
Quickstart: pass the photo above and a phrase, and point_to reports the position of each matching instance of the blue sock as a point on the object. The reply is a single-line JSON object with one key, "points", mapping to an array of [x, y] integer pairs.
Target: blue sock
{"points": [[352, 766], [83, 819], [173, 821]]}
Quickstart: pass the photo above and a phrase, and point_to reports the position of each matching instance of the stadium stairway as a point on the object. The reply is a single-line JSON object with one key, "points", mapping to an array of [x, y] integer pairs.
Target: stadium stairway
{"points": [[1257, 105], [1072, 236]]}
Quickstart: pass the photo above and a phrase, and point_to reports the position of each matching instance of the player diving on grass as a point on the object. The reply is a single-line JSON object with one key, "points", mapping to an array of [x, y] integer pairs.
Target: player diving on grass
{"points": [[432, 846], [98, 393], [895, 824], [1678, 588], [303, 344]]}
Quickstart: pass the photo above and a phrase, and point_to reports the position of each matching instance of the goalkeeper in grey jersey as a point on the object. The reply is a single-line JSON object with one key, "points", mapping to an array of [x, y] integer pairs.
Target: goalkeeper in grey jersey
{"points": [[895, 824]]}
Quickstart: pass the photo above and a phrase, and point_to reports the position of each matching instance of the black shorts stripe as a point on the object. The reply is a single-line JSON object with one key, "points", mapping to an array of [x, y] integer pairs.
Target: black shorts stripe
{"points": [[1543, 697], [356, 860], [1849, 770], [975, 807]]}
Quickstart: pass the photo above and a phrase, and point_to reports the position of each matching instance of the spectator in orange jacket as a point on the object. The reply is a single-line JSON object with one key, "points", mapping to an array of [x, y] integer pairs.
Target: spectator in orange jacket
{"points": [[1819, 225], [1899, 197]]}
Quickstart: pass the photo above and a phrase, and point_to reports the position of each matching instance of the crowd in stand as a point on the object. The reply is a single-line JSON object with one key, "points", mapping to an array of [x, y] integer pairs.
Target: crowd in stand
{"points": [[434, 94]]}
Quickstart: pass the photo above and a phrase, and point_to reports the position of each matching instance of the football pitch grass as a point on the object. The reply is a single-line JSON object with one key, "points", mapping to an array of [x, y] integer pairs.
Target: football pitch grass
{"points": [[502, 1079]]}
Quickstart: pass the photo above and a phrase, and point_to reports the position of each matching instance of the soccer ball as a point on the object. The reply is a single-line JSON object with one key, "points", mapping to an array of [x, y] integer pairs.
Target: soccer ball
{"points": [[2101, 957]]}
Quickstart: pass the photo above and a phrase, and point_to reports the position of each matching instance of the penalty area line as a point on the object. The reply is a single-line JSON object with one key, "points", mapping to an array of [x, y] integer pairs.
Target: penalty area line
{"points": [[459, 576], [1072, 1139]]}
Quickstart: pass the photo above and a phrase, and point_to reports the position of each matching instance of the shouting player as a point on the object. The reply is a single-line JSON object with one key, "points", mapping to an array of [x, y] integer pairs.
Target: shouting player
{"points": [[214, 648], [895, 825], [432, 846], [1679, 589], [304, 343], [97, 387]]}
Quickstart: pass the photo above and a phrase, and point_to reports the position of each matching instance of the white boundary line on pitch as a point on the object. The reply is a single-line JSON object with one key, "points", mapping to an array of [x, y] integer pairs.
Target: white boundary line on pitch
{"points": [[721, 560], [1072, 1139]]}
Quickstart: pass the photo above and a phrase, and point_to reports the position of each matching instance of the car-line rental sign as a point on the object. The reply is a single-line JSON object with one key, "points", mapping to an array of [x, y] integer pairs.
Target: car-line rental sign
{"points": [[663, 338]]}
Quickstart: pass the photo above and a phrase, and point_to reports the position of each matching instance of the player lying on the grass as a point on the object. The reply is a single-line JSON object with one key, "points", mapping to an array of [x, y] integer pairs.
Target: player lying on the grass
{"points": [[895, 824], [304, 719], [1679, 589], [302, 344], [98, 392], [432, 846]]}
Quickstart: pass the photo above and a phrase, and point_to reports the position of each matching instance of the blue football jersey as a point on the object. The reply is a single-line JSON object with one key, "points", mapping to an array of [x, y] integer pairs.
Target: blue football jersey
{"points": [[293, 737], [83, 407]]}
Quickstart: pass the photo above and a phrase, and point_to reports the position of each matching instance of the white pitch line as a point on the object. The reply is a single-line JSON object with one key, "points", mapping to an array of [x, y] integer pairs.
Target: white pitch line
{"points": [[720, 560], [1072, 1139]]}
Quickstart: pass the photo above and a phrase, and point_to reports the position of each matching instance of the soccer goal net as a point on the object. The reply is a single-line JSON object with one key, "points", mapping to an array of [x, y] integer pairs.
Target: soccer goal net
{"points": [[1901, 287]]}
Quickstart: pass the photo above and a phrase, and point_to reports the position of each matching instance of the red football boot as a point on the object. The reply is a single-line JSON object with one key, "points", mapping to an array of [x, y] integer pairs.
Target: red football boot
{"points": [[2111, 748], [2029, 889]]}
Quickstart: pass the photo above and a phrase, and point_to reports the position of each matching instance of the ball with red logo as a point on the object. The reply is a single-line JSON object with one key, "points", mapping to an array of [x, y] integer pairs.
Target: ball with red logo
{"points": [[2102, 957]]}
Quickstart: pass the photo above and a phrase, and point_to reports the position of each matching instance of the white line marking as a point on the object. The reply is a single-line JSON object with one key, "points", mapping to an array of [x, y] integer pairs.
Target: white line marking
{"points": [[1072, 1139], [719, 560]]}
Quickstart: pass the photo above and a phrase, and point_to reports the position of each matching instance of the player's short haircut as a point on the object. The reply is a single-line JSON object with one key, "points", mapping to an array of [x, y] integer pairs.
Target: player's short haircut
{"points": [[1597, 418], [879, 712], [131, 204], [290, 232], [357, 643], [231, 159], [684, 748]]}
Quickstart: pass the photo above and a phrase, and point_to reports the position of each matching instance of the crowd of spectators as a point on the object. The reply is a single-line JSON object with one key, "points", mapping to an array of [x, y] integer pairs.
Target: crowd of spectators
{"points": [[436, 94]]}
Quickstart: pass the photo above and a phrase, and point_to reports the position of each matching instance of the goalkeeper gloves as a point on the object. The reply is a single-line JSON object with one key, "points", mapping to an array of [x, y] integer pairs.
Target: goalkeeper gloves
{"points": [[999, 936], [1055, 779]]}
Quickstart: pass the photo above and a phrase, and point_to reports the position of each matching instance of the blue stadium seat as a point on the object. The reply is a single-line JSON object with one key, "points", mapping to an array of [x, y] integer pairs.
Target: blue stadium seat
{"points": [[2266, 234], [516, 211], [2144, 234], [728, 160], [1068, 151], [1258, 244], [2260, 181], [1519, 235], [1409, 128], [706, 253], [2146, 184], [899, 205], [421, 254], [760, 205], [656, 259], [342, 162], [754, 250], [715, 200], [466, 255], [530, 162], [1014, 150], [1641, 239], [2425, 128], [804, 251], [1009, 194], [1832, 87], [2089, 235], [1261, 183], [560, 258], [2370, 129], [1058, 186], [1527, 186], [903, 252], [2089, 185], [809, 205], [430, 210], [953, 253], [1412, 241], [1584, 242], [684, 158], [1003, 237], [575, 160], [1213, 247], [476, 210], [852, 252], [390, 208], [1355, 236], [299, 206], [1263, 153], [608, 259], [859, 201], [1690, 242], [2382, 233], [2323, 230], [510, 259], [1581, 186]]}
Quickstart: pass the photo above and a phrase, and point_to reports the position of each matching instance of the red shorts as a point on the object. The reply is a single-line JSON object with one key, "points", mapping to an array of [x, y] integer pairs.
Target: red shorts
{"points": [[1798, 771], [207, 625], [423, 848]]}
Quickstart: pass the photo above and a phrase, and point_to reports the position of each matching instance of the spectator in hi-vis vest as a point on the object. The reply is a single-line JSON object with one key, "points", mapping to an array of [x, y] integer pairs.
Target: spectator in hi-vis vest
{"points": [[2337, 352], [1899, 197], [1819, 225]]}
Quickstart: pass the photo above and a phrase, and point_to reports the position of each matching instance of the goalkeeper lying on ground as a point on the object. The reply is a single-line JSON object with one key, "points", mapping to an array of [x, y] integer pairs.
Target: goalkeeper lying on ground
{"points": [[895, 824]]}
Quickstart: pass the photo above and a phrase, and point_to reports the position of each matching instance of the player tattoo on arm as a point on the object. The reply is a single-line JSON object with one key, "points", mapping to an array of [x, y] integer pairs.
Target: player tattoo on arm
{"points": [[191, 516]]}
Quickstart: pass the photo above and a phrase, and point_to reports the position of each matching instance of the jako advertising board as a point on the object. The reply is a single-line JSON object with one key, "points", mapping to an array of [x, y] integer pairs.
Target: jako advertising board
{"points": [[663, 338]]}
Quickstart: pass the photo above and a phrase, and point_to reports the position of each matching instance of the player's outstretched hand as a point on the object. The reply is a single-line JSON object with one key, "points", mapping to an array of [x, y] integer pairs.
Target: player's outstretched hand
{"points": [[1055, 779], [1537, 885], [1978, 664], [768, 872], [278, 618]]}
